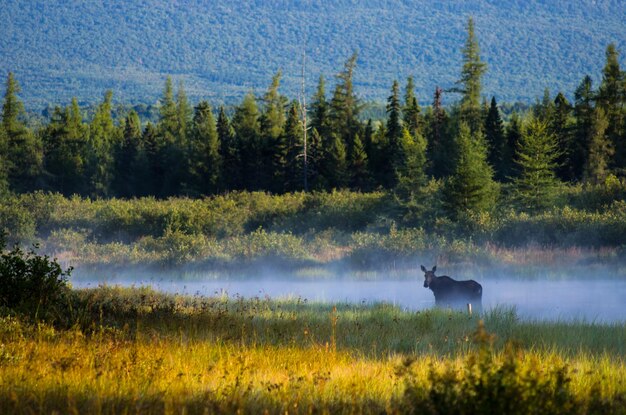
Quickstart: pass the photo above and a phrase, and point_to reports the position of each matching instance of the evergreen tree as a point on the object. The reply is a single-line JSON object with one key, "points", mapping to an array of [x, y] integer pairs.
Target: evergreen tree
{"points": [[320, 110], [611, 98], [335, 169], [601, 149], [471, 74], [150, 168], [544, 109], [536, 156], [394, 151], [4, 162], [358, 166], [440, 143], [64, 143], [169, 116], [251, 146], [23, 149], [513, 136], [344, 106], [561, 127], [411, 172], [229, 150], [316, 158], [496, 142], [273, 117], [471, 187], [294, 169], [102, 141], [126, 155], [205, 159], [583, 114], [412, 113]]}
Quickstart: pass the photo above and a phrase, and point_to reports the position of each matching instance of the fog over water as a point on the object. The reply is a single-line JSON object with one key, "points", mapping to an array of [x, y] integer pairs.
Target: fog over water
{"points": [[589, 300]]}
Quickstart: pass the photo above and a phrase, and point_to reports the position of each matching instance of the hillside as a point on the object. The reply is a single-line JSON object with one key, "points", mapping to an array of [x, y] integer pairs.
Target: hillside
{"points": [[220, 49]]}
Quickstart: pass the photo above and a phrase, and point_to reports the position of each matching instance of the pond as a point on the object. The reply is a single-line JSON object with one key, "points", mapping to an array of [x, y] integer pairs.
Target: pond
{"points": [[600, 301]]}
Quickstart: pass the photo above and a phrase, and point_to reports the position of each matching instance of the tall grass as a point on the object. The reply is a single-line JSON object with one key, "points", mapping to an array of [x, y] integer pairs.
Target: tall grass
{"points": [[139, 351]]}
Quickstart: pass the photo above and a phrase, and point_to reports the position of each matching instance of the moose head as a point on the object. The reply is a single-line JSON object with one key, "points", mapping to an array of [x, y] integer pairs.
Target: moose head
{"points": [[429, 276]]}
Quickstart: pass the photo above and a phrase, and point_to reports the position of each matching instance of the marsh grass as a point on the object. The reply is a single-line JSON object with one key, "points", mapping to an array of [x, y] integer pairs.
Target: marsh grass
{"points": [[135, 350]]}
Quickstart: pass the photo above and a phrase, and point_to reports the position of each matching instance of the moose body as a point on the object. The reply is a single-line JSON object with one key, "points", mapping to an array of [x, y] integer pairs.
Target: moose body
{"points": [[452, 293]]}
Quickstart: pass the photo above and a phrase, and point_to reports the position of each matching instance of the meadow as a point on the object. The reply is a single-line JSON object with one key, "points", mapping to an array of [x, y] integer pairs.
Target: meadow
{"points": [[135, 350]]}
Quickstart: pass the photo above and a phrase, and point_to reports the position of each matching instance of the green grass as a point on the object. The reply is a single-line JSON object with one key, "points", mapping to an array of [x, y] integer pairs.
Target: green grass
{"points": [[120, 350]]}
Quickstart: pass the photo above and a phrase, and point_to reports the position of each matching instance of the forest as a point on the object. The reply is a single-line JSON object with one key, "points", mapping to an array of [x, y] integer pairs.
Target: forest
{"points": [[466, 149]]}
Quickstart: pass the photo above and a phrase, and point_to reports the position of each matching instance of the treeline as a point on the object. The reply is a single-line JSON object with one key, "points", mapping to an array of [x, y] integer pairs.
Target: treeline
{"points": [[193, 151]]}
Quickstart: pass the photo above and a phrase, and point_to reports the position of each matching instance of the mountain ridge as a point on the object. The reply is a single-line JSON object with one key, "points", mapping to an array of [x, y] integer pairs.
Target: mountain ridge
{"points": [[220, 50]]}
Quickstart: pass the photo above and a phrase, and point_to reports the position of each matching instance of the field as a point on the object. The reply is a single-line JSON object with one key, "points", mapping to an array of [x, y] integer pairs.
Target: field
{"points": [[117, 350]]}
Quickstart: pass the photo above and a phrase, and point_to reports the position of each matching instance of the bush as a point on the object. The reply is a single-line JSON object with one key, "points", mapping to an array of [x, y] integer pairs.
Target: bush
{"points": [[31, 284]]}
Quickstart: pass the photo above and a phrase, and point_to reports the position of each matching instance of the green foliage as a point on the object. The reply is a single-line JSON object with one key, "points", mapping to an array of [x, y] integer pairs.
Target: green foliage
{"points": [[31, 284], [536, 157], [471, 75], [471, 187]]}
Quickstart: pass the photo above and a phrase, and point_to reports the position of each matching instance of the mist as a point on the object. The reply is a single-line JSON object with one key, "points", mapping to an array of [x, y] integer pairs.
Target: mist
{"points": [[593, 295]]}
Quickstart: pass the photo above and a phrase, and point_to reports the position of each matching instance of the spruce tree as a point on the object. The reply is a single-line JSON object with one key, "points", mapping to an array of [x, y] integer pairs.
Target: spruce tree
{"points": [[612, 98], [601, 149], [229, 150], [205, 161], [293, 172], [394, 150], [581, 135], [64, 143], [412, 113], [358, 166], [126, 155], [560, 126], [470, 188], [335, 168], [320, 110], [251, 146], [440, 142], [411, 172], [513, 136], [471, 74], [23, 149], [344, 106], [496, 142], [536, 157], [102, 140]]}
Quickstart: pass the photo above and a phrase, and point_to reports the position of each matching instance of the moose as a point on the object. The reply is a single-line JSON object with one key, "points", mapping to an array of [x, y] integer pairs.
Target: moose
{"points": [[452, 293]]}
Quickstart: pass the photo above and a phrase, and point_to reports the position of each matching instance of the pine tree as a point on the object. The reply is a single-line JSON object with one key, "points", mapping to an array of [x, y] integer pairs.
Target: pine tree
{"points": [[601, 149], [293, 171], [583, 114], [335, 169], [412, 113], [102, 141], [251, 146], [536, 156], [496, 143], [358, 166], [150, 169], [229, 150], [440, 143], [471, 187], [344, 106], [23, 149], [612, 98], [394, 151], [544, 109], [205, 159], [126, 154], [513, 136], [560, 126], [471, 74], [316, 158], [273, 117], [64, 144], [411, 172], [320, 110]]}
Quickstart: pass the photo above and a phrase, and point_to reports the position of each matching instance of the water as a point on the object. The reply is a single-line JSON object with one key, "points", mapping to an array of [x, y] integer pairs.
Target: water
{"points": [[601, 301]]}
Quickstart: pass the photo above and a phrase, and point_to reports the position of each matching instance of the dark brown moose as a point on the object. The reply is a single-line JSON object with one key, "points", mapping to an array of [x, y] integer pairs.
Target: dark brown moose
{"points": [[453, 293]]}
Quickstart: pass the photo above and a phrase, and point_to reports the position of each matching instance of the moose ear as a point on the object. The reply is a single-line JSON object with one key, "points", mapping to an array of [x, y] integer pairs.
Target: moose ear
{"points": [[423, 268], [435, 268]]}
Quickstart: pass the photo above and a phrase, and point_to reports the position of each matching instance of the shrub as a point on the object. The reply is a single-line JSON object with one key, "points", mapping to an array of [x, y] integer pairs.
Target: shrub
{"points": [[31, 284]]}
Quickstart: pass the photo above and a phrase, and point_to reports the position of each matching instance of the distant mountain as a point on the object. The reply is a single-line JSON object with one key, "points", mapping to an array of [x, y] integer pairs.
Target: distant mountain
{"points": [[221, 49]]}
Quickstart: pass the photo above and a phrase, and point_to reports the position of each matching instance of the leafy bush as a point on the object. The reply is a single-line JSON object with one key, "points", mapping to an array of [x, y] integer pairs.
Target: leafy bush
{"points": [[31, 284]]}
